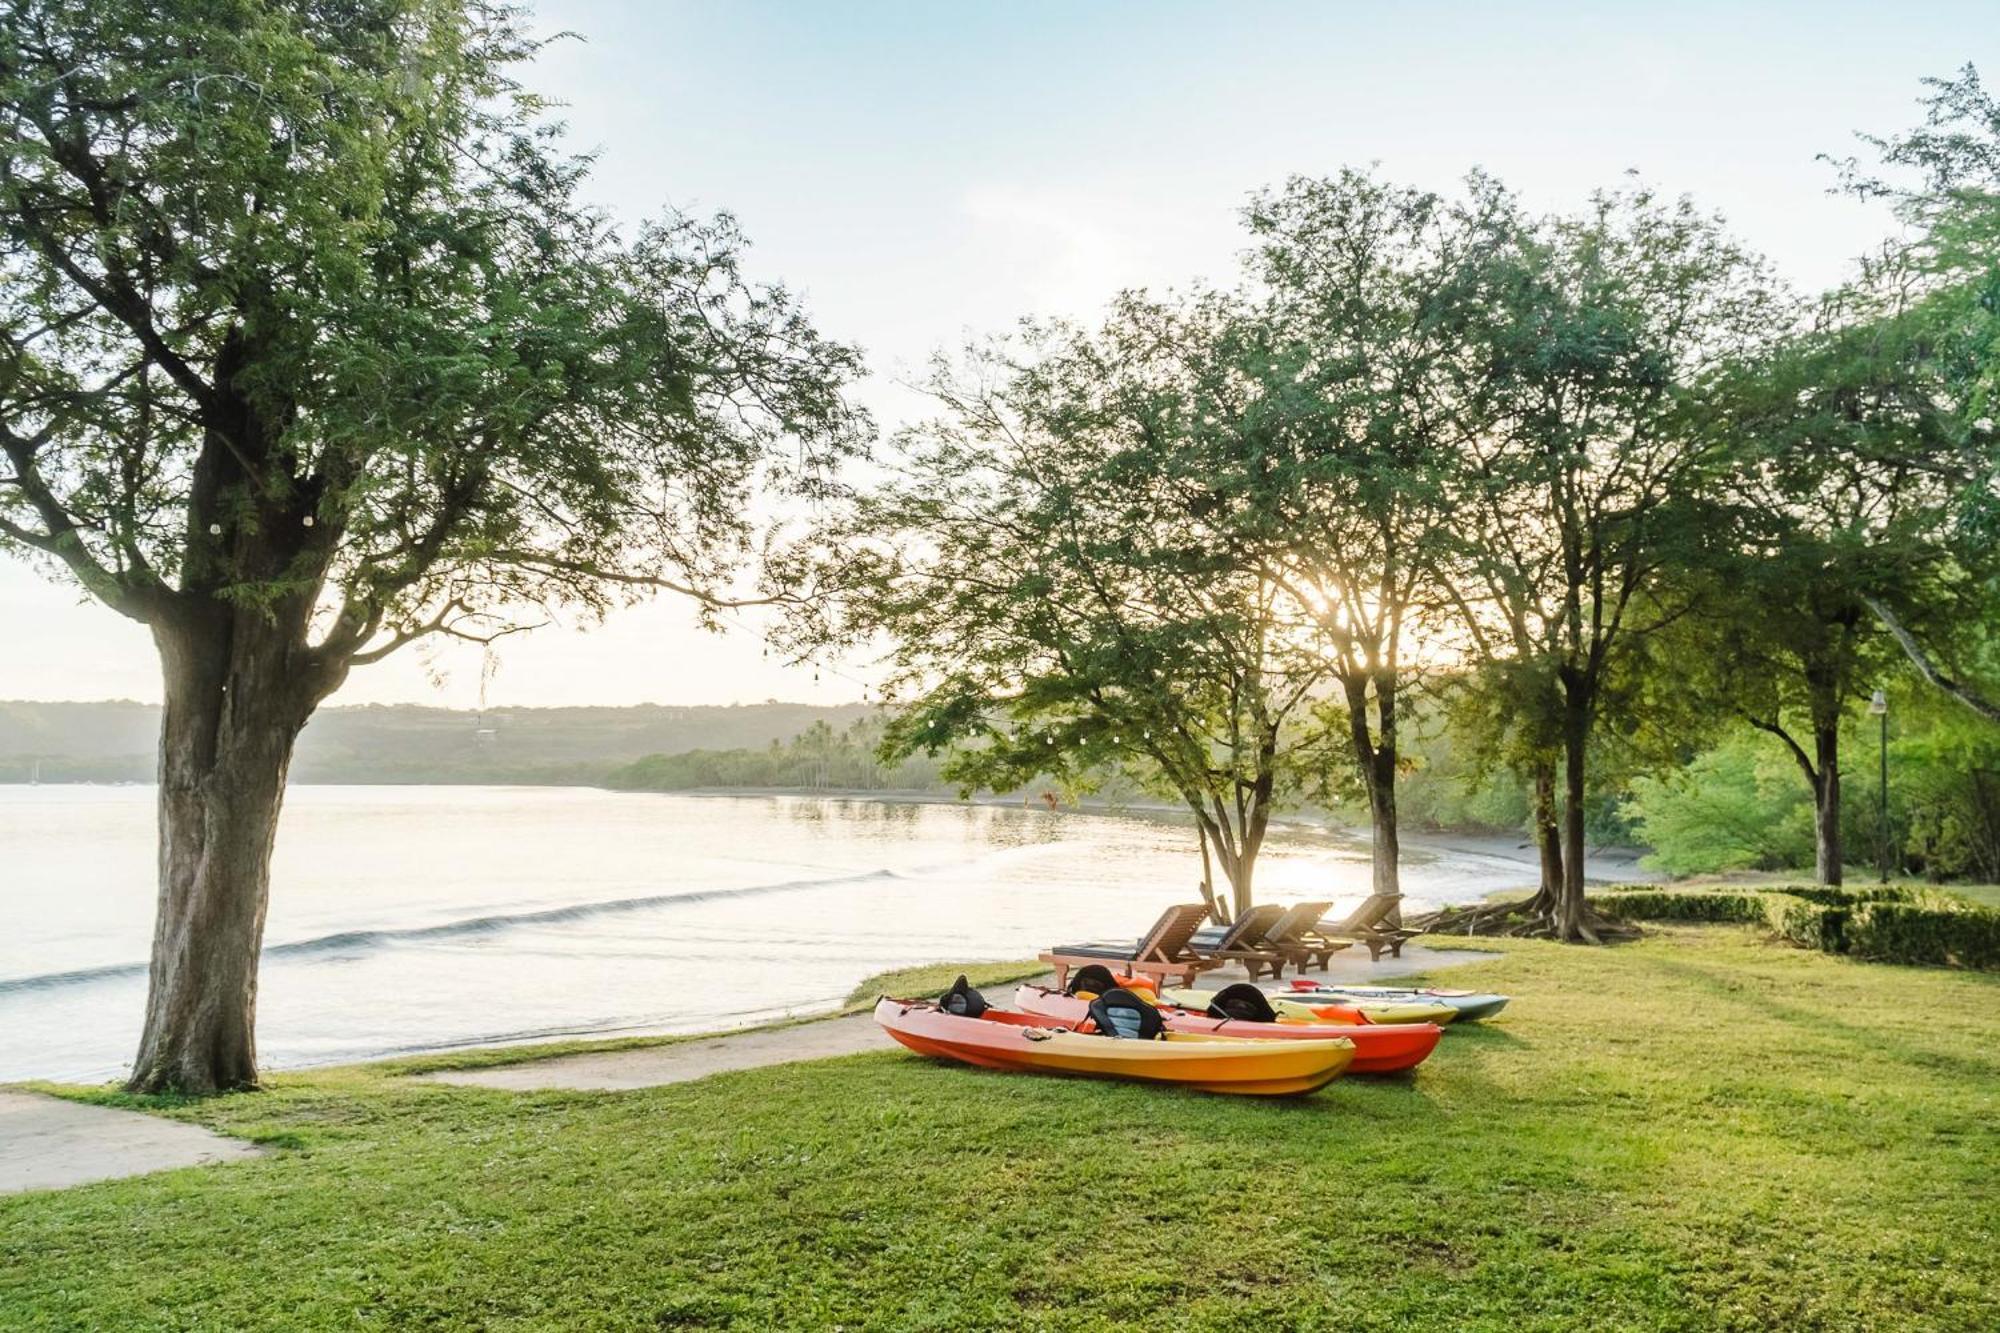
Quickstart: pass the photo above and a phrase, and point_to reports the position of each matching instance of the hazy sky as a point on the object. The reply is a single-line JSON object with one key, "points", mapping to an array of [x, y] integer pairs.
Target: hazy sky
{"points": [[922, 170]]}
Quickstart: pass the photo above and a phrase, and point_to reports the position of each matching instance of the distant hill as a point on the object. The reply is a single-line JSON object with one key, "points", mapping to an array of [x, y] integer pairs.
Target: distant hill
{"points": [[114, 741]]}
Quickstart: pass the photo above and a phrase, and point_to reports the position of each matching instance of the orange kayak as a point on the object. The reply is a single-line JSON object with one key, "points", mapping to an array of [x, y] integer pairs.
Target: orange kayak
{"points": [[1379, 1048], [999, 1039]]}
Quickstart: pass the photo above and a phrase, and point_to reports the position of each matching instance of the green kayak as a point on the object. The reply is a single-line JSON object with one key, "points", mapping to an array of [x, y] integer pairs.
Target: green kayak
{"points": [[1470, 1005]]}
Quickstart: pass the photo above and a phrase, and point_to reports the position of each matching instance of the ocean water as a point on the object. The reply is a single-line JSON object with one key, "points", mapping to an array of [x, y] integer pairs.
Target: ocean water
{"points": [[409, 919]]}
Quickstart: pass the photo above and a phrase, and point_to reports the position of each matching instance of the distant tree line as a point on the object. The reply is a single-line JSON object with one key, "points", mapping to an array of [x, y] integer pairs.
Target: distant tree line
{"points": [[1594, 484], [819, 758]]}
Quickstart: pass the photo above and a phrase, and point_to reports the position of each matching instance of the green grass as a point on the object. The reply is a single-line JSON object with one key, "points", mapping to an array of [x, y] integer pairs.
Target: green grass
{"points": [[1694, 1131], [1986, 895], [935, 978]]}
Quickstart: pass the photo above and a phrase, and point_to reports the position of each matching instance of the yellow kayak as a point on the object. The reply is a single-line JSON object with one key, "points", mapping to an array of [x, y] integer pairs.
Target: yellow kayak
{"points": [[998, 1039], [1349, 1011]]}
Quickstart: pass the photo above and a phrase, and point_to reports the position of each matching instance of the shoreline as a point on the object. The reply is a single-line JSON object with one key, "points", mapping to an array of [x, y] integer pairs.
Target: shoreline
{"points": [[1603, 864]]}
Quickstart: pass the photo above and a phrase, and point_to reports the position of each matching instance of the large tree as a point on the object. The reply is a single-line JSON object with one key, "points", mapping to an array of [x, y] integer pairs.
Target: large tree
{"points": [[1589, 474], [1936, 292], [308, 349], [1363, 292]]}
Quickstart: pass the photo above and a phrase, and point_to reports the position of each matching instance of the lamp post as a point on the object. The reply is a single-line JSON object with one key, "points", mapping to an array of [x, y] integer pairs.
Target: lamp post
{"points": [[1879, 706]]}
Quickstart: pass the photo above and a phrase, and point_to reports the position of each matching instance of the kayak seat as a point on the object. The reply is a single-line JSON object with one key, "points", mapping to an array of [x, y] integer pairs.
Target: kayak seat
{"points": [[1120, 1013], [962, 999], [1093, 977], [1242, 1001]]}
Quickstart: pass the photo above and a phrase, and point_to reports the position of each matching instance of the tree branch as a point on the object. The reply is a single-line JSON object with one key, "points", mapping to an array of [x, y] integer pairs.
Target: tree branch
{"points": [[1978, 703]]}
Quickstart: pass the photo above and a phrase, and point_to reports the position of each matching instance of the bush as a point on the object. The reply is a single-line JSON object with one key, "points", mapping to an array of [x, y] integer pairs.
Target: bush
{"points": [[1936, 931]]}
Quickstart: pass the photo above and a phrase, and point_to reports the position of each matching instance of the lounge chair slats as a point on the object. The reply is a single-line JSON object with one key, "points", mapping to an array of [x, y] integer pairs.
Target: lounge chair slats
{"points": [[1162, 953]]}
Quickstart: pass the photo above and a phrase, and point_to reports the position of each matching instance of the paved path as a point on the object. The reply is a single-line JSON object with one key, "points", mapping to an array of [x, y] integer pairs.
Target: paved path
{"points": [[48, 1143], [682, 1062]]}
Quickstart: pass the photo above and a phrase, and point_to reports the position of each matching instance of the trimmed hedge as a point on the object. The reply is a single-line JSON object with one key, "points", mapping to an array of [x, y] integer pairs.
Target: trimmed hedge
{"points": [[1939, 933], [1652, 904], [1887, 924], [1808, 924]]}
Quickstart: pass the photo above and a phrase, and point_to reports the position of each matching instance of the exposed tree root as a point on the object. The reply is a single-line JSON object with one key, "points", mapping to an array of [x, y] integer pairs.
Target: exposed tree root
{"points": [[1531, 919]]}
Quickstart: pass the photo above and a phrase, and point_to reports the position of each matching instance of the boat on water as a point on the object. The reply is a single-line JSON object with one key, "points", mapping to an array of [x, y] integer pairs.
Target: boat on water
{"points": [[1379, 1048], [1469, 1006], [1034, 1043]]}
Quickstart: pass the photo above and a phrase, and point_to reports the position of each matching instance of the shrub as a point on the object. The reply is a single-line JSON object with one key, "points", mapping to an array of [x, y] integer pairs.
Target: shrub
{"points": [[1936, 931]]}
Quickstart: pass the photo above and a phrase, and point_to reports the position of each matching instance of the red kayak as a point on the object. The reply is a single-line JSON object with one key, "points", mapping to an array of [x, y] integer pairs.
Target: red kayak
{"points": [[1379, 1048]]}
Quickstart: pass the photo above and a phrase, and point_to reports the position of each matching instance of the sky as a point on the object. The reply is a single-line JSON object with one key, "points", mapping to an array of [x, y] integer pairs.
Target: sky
{"points": [[924, 172]]}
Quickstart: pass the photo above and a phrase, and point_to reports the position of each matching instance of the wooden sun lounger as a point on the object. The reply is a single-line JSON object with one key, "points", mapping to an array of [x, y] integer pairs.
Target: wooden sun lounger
{"points": [[1378, 924], [1162, 953], [1244, 942], [1296, 934]]}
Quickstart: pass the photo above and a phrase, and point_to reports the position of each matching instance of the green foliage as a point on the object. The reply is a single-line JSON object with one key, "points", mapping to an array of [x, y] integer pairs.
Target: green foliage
{"points": [[1743, 805], [306, 316], [1738, 806], [1597, 1158], [1939, 932]]}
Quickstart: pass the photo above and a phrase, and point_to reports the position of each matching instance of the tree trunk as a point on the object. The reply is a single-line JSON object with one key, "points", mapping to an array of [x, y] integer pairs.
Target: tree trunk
{"points": [[233, 712], [1548, 835], [1375, 754], [1828, 855], [1240, 870], [1217, 909], [1576, 738]]}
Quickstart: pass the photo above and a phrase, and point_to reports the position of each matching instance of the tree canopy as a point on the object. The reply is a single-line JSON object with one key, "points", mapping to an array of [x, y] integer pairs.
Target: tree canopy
{"points": [[310, 346]]}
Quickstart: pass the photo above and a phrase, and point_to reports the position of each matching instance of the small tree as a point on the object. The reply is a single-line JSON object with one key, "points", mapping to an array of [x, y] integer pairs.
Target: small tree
{"points": [[1055, 608], [307, 350]]}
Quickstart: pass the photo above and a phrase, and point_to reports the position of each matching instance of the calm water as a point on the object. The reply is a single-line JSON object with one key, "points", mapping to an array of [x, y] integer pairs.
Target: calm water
{"points": [[419, 918]]}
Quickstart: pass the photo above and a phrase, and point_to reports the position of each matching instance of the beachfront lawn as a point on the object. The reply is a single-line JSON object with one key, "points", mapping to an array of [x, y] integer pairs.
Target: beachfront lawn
{"points": [[1698, 1130]]}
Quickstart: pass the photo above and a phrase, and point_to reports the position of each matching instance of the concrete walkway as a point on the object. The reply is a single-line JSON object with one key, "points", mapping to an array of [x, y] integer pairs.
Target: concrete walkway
{"points": [[48, 1143], [685, 1061]]}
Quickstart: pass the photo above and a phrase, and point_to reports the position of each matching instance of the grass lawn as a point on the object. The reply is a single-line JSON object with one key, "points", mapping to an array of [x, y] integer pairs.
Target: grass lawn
{"points": [[1694, 1131]]}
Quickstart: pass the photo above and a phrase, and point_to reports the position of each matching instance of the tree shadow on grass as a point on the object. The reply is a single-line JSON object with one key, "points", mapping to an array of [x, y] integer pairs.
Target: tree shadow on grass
{"points": [[1896, 1047]]}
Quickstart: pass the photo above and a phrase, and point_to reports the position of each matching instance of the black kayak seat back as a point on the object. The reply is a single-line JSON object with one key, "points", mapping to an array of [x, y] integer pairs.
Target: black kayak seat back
{"points": [[1093, 977], [1120, 1013], [962, 999], [1242, 1001]]}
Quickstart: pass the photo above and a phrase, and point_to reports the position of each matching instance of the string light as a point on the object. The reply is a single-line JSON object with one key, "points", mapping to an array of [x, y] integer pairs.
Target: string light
{"points": [[738, 622]]}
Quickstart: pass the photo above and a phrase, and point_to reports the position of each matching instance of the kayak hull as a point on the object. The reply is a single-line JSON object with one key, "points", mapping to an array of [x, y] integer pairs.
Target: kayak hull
{"points": [[1307, 1005], [1469, 1006], [1379, 1048], [1030, 1043]]}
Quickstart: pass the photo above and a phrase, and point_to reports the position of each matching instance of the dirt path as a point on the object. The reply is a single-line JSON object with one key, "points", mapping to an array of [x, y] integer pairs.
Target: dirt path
{"points": [[682, 1062], [48, 1143]]}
